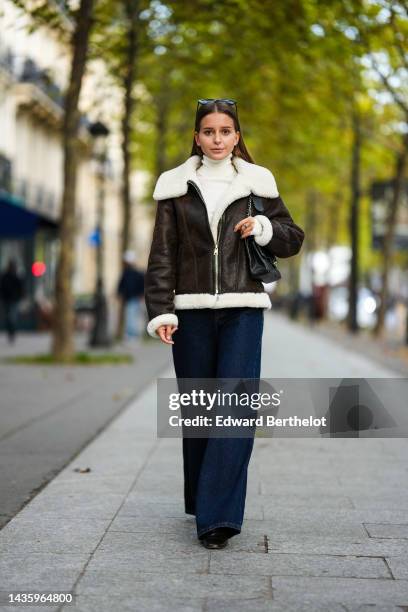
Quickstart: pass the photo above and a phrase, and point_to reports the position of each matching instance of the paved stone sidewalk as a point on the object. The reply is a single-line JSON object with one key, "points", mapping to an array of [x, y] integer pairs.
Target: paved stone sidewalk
{"points": [[326, 526], [49, 413]]}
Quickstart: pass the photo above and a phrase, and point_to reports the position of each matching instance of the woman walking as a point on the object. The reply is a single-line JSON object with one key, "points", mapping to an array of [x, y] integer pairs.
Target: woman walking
{"points": [[201, 298]]}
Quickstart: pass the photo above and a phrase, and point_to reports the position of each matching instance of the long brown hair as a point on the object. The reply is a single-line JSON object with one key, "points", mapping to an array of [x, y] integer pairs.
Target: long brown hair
{"points": [[240, 149]]}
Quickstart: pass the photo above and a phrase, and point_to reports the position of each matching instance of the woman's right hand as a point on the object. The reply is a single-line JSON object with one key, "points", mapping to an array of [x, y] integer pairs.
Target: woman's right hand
{"points": [[165, 332]]}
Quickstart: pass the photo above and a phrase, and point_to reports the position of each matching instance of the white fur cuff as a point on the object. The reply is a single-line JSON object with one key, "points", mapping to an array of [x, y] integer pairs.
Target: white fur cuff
{"points": [[163, 319], [258, 228], [267, 230]]}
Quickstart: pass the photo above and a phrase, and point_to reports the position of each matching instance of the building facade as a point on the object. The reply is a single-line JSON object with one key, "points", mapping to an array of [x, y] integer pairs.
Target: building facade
{"points": [[34, 70]]}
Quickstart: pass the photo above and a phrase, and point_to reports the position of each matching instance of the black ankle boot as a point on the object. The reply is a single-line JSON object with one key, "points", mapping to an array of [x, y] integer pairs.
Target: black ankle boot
{"points": [[217, 538]]}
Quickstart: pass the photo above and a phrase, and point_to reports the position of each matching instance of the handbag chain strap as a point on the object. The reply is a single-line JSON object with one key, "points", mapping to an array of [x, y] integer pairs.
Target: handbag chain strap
{"points": [[249, 205]]}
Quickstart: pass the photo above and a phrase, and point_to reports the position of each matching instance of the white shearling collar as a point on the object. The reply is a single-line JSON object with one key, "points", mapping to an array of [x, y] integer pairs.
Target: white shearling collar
{"points": [[250, 178]]}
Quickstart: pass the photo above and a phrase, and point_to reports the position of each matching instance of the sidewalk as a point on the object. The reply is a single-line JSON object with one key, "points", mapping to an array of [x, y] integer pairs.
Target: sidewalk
{"points": [[325, 527], [48, 413], [389, 352]]}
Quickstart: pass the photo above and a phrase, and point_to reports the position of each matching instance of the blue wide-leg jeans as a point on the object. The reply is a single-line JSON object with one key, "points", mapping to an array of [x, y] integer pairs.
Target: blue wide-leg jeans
{"points": [[217, 343]]}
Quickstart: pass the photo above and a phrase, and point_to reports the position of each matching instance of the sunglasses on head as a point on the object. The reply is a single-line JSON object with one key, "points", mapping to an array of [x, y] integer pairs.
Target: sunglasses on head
{"points": [[203, 101]]}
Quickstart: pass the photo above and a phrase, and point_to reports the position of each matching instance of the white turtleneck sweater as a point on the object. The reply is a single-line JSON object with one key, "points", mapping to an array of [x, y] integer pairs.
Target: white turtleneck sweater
{"points": [[214, 177]]}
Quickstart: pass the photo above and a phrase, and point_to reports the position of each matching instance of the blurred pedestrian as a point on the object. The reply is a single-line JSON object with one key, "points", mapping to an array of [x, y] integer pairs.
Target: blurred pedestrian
{"points": [[131, 291], [11, 292]]}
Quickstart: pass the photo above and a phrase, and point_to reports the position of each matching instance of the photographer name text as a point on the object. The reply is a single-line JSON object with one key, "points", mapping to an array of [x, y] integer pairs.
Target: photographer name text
{"points": [[261, 420]]}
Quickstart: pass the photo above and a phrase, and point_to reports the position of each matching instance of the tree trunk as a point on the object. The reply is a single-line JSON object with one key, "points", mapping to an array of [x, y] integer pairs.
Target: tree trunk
{"points": [[333, 223], [354, 221], [161, 131], [311, 244], [132, 13], [387, 246], [63, 342]]}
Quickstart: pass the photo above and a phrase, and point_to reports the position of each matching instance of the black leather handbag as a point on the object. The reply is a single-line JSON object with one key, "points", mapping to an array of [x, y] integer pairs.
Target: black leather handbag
{"points": [[262, 264]]}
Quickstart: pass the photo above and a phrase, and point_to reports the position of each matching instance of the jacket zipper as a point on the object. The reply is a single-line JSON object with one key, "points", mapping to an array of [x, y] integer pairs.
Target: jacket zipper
{"points": [[215, 252], [217, 266]]}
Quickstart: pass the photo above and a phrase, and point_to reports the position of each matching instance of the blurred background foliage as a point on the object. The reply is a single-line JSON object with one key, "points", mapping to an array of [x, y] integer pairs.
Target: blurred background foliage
{"points": [[321, 87]]}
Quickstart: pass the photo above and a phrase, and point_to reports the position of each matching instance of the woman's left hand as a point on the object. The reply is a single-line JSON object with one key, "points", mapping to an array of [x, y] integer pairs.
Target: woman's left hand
{"points": [[245, 226]]}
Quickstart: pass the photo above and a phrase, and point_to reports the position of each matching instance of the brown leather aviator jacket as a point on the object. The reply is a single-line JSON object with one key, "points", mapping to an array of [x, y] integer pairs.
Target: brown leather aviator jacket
{"points": [[195, 264]]}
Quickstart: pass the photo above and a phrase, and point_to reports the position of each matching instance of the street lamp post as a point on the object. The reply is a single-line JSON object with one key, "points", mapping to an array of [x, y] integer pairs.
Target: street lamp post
{"points": [[99, 333]]}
